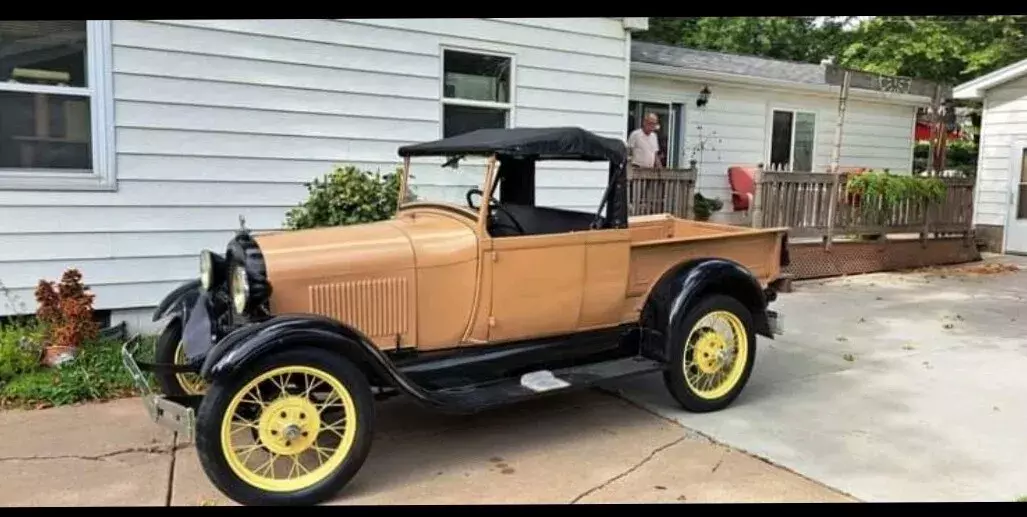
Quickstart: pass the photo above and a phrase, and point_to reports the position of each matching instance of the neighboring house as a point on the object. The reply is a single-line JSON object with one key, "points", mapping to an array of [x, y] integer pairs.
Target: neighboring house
{"points": [[1000, 199], [128, 146], [778, 113]]}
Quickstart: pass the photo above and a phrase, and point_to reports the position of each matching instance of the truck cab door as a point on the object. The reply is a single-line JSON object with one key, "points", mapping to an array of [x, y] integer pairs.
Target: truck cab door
{"points": [[538, 285]]}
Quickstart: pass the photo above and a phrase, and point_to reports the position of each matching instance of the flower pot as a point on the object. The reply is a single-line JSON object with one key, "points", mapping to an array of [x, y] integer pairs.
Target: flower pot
{"points": [[58, 355]]}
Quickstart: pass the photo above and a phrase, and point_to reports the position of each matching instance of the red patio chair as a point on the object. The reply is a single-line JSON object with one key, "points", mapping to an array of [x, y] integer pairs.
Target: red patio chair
{"points": [[743, 186]]}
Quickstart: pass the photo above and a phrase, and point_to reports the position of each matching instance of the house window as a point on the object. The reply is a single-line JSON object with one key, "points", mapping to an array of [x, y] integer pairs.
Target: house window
{"points": [[792, 140], [670, 133], [54, 105], [476, 91]]}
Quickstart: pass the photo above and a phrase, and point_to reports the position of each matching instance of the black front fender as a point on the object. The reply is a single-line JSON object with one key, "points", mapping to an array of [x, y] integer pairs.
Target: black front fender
{"points": [[178, 301], [246, 344], [680, 288]]}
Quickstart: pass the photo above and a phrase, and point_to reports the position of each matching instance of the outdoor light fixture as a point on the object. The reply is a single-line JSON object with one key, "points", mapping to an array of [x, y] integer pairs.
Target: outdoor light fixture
{"points": [[704, 97]]}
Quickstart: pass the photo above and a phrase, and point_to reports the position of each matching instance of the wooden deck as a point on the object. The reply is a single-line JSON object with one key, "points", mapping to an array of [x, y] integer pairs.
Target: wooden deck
{"points": [[831, 232]]}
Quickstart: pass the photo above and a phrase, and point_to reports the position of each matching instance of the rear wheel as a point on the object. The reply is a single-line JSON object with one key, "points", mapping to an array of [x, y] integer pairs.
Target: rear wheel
{"points": [[291, 429], [711, 365], [171, 350]]}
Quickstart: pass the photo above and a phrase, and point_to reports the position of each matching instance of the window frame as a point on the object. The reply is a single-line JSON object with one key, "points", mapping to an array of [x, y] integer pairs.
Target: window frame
{"points": [[509, 107], [791, 151], [99, 89]]}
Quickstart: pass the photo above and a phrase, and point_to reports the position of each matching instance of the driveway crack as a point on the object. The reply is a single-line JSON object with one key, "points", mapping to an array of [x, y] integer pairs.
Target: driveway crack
{"points": [[154, 449], [719, 462], [171, 471], [630, 470]]}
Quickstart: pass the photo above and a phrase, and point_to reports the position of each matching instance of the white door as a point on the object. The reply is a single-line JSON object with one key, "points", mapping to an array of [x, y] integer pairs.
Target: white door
{"points": [[1016, 225]]}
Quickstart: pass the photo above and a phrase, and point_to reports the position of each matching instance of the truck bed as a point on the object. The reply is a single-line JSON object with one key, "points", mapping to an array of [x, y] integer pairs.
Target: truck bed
{"points": [[660, 241]]}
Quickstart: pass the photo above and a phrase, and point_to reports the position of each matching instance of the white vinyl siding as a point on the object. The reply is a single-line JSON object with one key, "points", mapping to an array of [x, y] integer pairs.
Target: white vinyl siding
{"points": [[1003, 122], [215, 119], [876, 135]]}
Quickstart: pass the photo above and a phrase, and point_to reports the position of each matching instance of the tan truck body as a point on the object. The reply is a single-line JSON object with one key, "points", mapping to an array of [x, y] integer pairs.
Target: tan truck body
{"points": [[431, 279]]}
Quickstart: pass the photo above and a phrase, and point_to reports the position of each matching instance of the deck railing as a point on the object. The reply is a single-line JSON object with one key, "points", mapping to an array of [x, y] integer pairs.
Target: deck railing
{"points": [[803, 201], [653, 191]]}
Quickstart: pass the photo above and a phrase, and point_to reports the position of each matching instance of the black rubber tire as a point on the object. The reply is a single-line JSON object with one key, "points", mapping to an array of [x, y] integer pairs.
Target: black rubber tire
{"points": [[220, 394], [674, 375], [167, 344]]}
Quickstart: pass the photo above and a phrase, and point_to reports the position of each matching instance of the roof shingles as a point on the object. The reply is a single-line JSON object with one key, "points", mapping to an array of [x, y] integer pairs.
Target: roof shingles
{"points": [[750, 66]]}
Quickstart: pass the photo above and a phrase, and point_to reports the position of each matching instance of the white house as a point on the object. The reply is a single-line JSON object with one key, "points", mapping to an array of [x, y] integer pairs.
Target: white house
{"points": [[1000, 200], [128, 146], [778, 113]]}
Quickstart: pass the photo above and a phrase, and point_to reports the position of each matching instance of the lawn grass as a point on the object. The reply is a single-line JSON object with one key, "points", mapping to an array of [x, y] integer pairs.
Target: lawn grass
{"points": [[96, 374]]}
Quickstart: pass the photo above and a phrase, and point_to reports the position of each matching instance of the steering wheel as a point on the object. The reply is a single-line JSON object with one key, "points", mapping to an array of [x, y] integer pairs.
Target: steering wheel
{"points": [[493, 204]]}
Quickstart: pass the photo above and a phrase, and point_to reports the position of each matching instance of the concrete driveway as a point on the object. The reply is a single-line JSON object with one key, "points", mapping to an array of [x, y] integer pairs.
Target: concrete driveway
{"points": [[889, 387], [589, 447]]}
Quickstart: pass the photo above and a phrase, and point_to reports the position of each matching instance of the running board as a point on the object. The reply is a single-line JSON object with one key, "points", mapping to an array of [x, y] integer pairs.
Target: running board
{"points": [[474, 398]]}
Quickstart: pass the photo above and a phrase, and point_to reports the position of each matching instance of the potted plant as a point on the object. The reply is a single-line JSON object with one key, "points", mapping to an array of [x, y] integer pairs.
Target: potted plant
{"points": [[703, 206], [65, 310]]}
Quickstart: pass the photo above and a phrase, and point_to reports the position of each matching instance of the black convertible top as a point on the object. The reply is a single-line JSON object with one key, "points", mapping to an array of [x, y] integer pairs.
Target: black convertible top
{"points": [[537, 143]]}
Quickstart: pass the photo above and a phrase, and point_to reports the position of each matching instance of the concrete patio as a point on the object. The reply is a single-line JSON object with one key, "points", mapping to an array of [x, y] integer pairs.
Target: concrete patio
{"points": [[889, 387]]}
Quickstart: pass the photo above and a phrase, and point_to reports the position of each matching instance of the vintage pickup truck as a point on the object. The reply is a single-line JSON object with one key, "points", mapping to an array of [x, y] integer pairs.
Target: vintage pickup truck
{"points": [[272, 358]]}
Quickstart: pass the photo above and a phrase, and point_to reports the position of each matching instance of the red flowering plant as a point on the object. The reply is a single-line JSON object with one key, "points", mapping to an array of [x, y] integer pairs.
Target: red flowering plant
{"points": [[66, 311]]}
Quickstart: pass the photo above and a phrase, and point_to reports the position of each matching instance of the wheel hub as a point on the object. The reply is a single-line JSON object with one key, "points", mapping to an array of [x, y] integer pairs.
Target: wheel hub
{"points": [[710, 353], [289, 425]]}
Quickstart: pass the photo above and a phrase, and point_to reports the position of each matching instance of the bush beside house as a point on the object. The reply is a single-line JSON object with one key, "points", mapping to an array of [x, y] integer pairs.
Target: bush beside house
{"points": [[58, 355]]}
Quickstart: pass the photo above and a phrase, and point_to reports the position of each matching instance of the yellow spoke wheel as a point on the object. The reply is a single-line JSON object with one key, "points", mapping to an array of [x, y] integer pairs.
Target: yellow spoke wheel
{"points": [[715, 354], [294, 416], [712, 350], [287, 428], [171, 350], [191, 383]]}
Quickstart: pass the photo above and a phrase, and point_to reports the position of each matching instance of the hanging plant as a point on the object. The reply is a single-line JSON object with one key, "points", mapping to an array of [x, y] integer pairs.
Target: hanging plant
{"points": [[881, 192]]}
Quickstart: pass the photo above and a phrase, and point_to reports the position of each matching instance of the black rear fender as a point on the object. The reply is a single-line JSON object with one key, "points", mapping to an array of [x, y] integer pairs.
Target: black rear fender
{"points": [[248, 343], [684, 285]]}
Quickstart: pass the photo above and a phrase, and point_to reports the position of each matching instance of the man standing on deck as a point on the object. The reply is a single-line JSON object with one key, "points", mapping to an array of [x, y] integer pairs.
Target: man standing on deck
{"points": [[643, 145]]}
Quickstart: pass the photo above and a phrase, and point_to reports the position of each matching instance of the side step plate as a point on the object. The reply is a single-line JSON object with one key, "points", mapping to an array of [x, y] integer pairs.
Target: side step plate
{"points": [[475, 398]]}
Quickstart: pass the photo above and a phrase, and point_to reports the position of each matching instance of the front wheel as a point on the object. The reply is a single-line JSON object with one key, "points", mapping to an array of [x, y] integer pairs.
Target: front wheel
{"points": [[711, 364], [171, 350], [306, 417]]}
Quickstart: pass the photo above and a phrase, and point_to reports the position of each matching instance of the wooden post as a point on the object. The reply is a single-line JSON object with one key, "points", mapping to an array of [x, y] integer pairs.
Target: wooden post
{"points": [[932, 143], [403, 179], [756, 210], [835, 157]]}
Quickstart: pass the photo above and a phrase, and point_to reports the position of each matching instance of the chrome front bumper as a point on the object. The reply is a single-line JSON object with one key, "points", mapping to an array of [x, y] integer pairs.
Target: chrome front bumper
{"points": [[164, 412]]}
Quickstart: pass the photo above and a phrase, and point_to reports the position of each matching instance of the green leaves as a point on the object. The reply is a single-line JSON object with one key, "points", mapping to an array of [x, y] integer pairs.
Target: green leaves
{"points": [[346, 196], [882, 191], [792, 38], [97, 373], [950, 49]]}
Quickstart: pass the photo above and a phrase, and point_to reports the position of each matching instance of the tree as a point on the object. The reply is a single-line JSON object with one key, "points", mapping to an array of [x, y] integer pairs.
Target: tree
{"points": [[800, 39], [949, 49]]}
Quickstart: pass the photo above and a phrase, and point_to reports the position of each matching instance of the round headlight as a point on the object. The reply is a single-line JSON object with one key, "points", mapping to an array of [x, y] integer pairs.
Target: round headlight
{"points": [[206, 270], [240, 289]]}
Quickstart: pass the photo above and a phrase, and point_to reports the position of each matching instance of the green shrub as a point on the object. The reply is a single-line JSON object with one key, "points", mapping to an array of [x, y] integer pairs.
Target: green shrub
{"points": [[880, 192], [346, 196], [20, 348], [704, 206], [960, 155], [96, 374]]}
